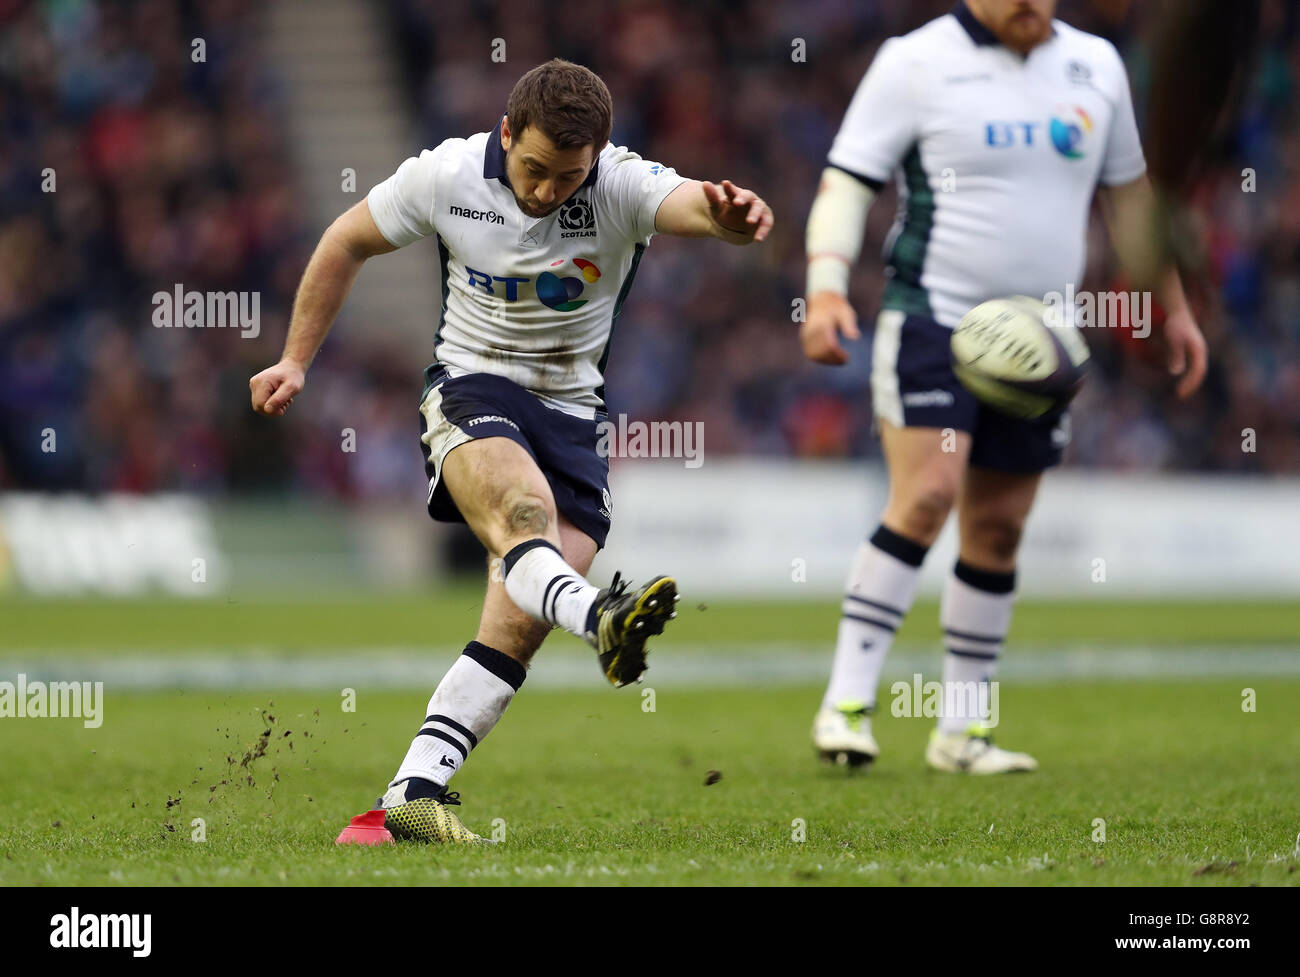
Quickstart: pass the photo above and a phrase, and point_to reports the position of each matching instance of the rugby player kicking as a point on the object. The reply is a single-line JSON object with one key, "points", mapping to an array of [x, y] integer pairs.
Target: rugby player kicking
{"points": [[1000, 124], [540, 226]]}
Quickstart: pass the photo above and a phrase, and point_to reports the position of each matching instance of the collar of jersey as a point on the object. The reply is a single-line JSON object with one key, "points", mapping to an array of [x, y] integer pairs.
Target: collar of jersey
{"points": [[980, 34], [494, 160]]}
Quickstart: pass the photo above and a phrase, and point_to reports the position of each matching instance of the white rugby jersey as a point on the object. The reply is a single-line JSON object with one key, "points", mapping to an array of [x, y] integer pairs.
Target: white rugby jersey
{"points": [[997, 157], [531, 299]]}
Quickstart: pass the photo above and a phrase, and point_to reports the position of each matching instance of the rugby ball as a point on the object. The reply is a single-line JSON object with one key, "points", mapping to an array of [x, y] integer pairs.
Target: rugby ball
{"points": [[1016, 355]]}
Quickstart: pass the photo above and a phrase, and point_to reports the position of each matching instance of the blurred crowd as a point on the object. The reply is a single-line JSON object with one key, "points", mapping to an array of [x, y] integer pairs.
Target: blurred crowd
{"points": [[171, 170], [131, 161]]}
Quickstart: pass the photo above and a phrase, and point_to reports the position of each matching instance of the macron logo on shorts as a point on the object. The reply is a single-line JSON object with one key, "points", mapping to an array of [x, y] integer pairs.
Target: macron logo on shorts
{"points": [[929, 398], [491, 216], [488, 418]]}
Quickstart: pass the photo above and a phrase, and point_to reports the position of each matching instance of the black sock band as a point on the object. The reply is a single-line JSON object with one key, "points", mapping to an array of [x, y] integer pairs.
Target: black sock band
{"points": [[510, 559], [899, 547], [498, 662], [420, 787], [990, 581]]}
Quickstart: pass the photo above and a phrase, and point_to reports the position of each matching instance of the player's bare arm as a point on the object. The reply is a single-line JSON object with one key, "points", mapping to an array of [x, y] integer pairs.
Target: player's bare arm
{"points": [[1130, 211], [343, 249], [721, 210]]}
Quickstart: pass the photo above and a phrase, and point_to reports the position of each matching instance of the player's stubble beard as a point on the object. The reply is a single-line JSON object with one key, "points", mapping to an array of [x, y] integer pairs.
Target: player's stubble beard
{"points": [[537, 214], [1022, 27], [525, 206], [530, 212]]}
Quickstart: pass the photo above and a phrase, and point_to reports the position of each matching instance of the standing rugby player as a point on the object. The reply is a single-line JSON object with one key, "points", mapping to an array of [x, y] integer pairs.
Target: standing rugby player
{"points": [[1000, 123], [540, 226]]}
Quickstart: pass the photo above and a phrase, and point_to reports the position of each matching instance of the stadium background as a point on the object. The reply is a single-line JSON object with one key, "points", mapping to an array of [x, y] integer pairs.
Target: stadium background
{"points": [[170, 171], [220, 174], [132, 469]]}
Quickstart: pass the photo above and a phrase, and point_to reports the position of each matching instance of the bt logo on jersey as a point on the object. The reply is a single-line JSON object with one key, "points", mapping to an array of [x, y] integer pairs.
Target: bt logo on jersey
{"points": [[481, 279], [560, 294], [1000, 135], [1067, 131]]}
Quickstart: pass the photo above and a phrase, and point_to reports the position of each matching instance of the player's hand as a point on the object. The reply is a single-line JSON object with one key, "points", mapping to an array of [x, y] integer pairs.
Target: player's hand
{"points": [[738, 211], [1187, 353], [829, 317], [274, 389]]}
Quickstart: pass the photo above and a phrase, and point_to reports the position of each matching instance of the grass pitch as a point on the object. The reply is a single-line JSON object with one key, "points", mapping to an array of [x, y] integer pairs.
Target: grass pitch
{"points": [[587, 786]]}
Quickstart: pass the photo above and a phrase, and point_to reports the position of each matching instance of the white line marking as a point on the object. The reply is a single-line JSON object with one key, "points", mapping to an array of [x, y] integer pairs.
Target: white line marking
{"points": [[720, 665]]}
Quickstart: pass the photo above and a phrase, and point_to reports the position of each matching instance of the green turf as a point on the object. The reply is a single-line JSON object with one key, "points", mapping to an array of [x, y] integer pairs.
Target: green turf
{"points": [[450, 617], [592, 789]]}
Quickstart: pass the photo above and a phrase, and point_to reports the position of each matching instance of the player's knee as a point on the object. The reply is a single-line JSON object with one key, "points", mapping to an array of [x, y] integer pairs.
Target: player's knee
{"points": [[524, 513], [996, 537], [926, 511]]}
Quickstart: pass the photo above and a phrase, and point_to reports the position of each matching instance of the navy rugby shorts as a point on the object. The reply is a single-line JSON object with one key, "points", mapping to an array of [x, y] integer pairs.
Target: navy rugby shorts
{"points": [[482, 405], [913, 385]]}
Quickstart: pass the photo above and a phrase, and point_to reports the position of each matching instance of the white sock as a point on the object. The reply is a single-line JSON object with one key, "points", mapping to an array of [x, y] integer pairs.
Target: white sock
{"points": [[880, 591], [543, 585], [465, 706], [975, 613]]}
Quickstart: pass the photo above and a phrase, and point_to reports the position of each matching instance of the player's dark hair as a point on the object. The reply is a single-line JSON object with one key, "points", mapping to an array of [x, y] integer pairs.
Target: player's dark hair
{"points": [[568, 103]]}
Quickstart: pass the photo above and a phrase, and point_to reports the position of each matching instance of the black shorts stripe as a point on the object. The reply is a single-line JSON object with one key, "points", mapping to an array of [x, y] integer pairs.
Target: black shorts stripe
{"points": [[460, 747], [971, 636], [984, 656], [884, 625], [448, 721], [874, 603]]}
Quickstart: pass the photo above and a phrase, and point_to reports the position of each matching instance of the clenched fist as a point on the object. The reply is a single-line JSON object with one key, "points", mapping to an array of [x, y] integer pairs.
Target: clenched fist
{"points": [[274, 389]]}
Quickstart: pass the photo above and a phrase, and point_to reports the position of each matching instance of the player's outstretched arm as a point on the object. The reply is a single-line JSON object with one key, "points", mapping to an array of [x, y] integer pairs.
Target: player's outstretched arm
{"points": [[722, 210], [1130, 210], [343, 249]]}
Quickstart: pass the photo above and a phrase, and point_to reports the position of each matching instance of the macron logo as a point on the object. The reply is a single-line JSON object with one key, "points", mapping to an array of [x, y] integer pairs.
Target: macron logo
{"points": [[929, 398], [492, 419], [491, 216]]}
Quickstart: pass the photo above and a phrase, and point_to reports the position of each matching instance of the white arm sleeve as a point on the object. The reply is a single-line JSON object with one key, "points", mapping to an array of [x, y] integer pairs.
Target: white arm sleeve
{"points": [[835, 228]]}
